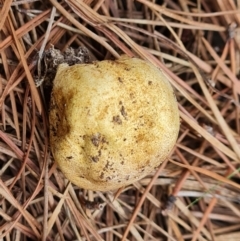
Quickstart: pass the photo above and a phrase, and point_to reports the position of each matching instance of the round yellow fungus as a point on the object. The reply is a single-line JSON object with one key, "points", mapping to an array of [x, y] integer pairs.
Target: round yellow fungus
{"points": [[111, 122]]}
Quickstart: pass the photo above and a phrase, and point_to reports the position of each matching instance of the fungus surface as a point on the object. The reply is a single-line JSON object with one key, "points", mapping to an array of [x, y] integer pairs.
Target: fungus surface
{"points": [[111, 122]]}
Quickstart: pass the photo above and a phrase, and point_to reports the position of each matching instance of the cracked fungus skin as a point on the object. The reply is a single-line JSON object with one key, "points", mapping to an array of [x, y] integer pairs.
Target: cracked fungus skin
{"points": [[111, 122]]}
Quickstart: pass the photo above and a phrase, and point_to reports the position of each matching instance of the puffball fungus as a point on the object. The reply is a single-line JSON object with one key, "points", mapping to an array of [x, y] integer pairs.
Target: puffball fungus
{"points": [[111, 122]]}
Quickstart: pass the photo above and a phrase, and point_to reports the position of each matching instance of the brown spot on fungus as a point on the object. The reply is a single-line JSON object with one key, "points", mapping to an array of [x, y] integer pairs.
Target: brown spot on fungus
{"points": [[102, 175], [120, 80], [117, 120], [96, 139], [123, 112], [94, 158]]}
